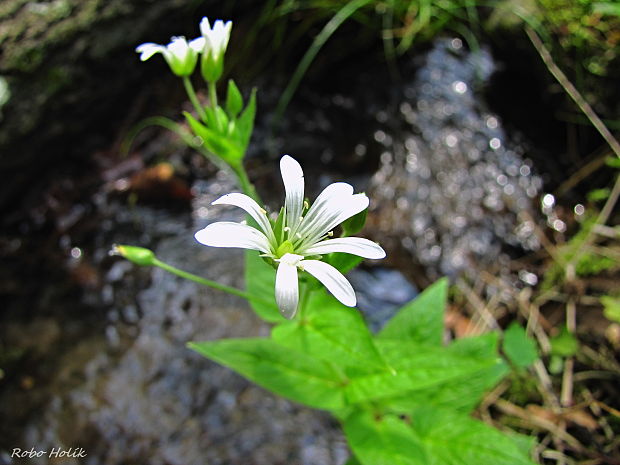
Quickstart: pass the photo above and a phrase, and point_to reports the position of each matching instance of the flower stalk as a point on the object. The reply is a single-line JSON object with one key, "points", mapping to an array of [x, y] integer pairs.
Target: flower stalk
{"points": [[191, 93], [146, 257]]}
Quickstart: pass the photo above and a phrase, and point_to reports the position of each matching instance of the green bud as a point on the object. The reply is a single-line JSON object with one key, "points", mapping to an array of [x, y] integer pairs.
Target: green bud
{"points": [[138, 255]]}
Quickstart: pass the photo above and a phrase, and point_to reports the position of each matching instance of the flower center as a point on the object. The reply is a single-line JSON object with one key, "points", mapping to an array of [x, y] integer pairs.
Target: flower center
{"points": [[291, 259], [284, 248]]}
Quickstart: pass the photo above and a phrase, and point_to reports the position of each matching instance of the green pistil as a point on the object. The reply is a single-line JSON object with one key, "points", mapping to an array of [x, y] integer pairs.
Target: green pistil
{"points": [[284, 248]]}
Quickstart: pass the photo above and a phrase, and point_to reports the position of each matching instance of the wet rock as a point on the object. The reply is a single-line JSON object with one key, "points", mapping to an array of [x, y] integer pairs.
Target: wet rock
{"points": [[380, 293], [134, 393]]}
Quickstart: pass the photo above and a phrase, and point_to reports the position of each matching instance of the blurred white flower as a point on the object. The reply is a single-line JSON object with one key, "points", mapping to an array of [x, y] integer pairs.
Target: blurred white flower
{"points": [[215, 44], [216, 37], [180, 55], [297, 243]]}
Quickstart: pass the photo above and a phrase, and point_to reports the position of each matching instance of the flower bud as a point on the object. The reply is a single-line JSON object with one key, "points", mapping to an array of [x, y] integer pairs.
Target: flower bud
{"points": [[138, 255]]}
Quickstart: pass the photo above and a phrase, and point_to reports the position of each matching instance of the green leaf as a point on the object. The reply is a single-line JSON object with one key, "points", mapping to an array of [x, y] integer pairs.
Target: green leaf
{"points": [[282, 370], [234, 101], [518, 347], [456, 439], [564, 344], [416, 368], [354, 224], [260, 280], [343, 262], [462, 393], [222, 120], [333, 332], [216, 143], [611, 308], [383, 440], [353, 461], [430, 436], [212, 120], [245, 123], [420, 320]]}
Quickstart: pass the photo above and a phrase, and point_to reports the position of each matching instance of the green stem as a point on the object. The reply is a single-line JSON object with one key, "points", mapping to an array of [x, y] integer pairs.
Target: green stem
{"points": [[191, 93], [246, 186], [207, 282], [213, 94]]}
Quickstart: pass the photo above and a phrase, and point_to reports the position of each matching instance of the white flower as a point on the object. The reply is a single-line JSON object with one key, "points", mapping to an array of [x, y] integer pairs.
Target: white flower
{"points": [[180, 55], [215, 43], [216, 38], [302, 238]]}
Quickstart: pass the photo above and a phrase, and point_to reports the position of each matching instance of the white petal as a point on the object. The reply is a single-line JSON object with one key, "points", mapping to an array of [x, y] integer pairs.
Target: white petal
{"points": [[332, 279], [353, 245], [337, 190], [334, 212], [149, 49], [205, 27], [198, 44], [179, 48], [229, 234], [221, 34], [250, 206], [287, 288], [293, 178]]}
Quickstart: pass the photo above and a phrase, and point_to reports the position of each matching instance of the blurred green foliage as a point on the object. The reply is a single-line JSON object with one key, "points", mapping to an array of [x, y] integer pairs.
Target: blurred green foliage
{"points": [[589, 29]]}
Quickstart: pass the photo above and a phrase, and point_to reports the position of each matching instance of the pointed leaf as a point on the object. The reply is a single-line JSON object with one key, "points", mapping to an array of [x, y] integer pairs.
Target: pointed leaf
{"points": [[211, 116], [416, 368], [222, 120], [245, 123], [216, 143], [456, 439], [196, 126], [260, 280], [383, 440], [430, 436], [282, 370], [234, 101], [332, 332], [420, 320], [461, 393]]}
